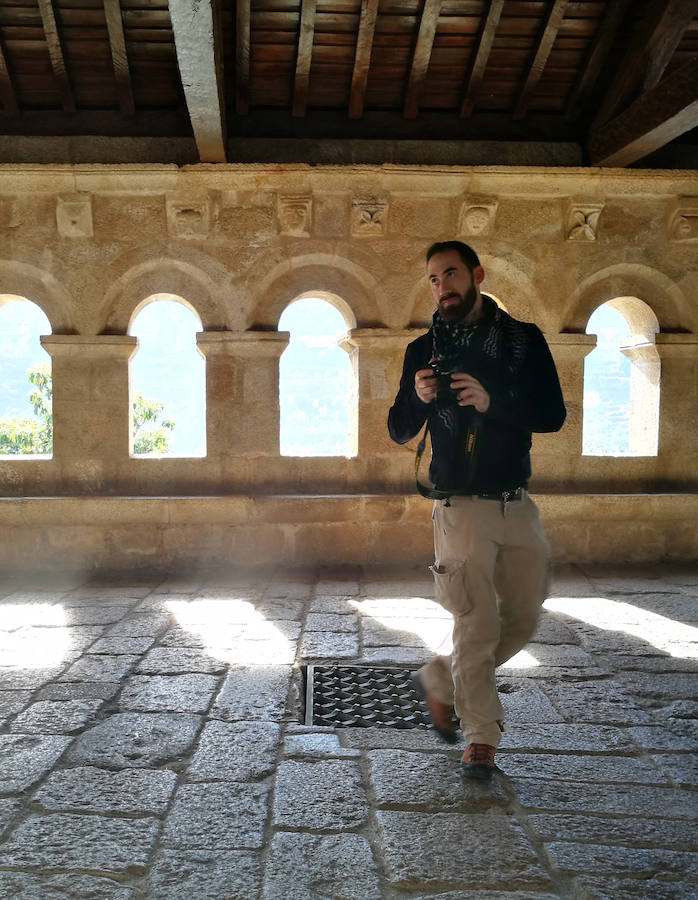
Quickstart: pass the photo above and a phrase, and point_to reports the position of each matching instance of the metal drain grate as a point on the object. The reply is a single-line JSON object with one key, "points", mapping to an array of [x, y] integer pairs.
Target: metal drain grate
{"points": [[358, 697]]}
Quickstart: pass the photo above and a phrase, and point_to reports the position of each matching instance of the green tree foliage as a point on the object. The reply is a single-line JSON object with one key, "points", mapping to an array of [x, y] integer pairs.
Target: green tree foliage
{"points": [[25, 436]]}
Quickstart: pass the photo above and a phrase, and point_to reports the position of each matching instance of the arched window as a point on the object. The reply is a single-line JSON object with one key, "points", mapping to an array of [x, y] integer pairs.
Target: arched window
{"points": [[167, 380], [621, 381], [317, 381], [26, 408]]}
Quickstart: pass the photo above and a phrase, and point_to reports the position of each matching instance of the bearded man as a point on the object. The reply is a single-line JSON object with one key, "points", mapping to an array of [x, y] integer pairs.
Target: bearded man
{"points": [[484, 382]]}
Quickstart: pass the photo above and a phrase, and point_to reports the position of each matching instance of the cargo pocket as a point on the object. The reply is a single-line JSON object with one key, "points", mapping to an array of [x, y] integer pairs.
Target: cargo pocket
{"points": [[451, 585]]}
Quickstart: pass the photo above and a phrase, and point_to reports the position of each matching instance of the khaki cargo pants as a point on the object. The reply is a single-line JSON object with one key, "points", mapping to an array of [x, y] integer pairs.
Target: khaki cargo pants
{"points": [[491, 573]]}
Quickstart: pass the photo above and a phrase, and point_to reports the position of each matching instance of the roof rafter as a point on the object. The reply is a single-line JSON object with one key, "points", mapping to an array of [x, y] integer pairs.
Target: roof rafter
{"points": [[479, 62], [362, 60], [545, 45], [243, 19], [117, 44], [55, 49], [649, 53], [661, 114], [196, 31], [422, 54], [306, 34]]}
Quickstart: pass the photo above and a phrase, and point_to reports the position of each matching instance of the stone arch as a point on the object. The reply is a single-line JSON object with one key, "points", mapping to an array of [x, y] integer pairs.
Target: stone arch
{"points": [[628, 280], [508, 278], [182, 280], [18, 279], [316, 274], [334, 300]]}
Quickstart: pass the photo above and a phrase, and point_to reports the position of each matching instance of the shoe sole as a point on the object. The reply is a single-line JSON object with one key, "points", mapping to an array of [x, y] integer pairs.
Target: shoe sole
{"points": [[447, 735], [477, 771]]}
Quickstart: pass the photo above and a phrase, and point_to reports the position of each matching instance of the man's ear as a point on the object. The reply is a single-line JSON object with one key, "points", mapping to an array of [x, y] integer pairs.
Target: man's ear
{"points": [[478, 275]]}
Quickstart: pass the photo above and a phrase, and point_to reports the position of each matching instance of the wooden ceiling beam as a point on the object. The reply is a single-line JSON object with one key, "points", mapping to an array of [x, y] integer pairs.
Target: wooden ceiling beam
{"points": [[480, 57], [8, 95], [545, 45], [117, 45], [661, 114], [649, 53], [243, 19], [613, 17], [196, 29], [55, 49], [306, 34], [422, 54], [362, 60]]}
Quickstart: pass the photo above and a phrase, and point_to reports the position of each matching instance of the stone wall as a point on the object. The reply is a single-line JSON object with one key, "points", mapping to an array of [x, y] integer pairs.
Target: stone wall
{"points": [[238, 243]]}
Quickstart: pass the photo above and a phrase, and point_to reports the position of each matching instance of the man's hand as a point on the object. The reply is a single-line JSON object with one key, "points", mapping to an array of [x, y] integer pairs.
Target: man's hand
{"points": [[425, 385], [469, 391]]}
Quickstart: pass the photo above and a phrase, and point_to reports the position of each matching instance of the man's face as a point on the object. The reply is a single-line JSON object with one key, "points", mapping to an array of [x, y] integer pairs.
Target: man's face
{"points": [[452, 286]]}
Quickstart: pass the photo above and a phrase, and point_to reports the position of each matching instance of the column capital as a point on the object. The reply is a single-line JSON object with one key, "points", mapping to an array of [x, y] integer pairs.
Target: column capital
{"points": [[570, 347], [382, 339], [99, 346], [245, 344], [676, 346]]}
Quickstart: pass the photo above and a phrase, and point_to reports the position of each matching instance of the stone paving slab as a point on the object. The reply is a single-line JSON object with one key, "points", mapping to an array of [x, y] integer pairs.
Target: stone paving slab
{"points": [[242, 751], [27, 886], [206, 875], [168, 693], [322, 795], [568, 767], [64, 841], [56, 716], [315, 867], [141, 740], [214, 817], [254, 692], [596, 829], [636, 861], [627, 800], [568, 738], [635, 889], [89, 789], [26, 758], [452, 850]]}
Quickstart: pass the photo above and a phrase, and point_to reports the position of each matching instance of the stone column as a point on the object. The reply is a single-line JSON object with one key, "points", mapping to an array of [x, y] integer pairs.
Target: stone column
{"points": [[242, 391], [553, 452], [379, 354], [644, 394], [678, 406], [91, 407]]}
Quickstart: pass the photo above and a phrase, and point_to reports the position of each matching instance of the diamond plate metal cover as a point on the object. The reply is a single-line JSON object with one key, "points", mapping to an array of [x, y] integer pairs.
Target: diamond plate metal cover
{"points": [[362, 696]]}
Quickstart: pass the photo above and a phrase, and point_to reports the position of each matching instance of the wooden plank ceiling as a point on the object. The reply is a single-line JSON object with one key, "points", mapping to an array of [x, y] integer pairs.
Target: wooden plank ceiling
{"points": [[619, 78]]}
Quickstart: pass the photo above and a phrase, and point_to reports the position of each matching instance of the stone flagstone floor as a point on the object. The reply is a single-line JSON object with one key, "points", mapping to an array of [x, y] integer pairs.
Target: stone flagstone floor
{"points": [[151, 745]]}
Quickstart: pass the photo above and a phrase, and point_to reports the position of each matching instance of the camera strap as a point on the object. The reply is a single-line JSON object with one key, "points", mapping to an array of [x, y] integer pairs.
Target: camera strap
{"points": [[432, 493]]}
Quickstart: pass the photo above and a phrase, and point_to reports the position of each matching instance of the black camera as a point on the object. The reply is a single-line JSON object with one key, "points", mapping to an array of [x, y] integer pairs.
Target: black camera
{"points": [[442, 370]]}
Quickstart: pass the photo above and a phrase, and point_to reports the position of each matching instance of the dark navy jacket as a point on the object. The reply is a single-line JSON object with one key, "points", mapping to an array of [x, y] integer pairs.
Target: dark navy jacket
{"points": [[530, 400]]}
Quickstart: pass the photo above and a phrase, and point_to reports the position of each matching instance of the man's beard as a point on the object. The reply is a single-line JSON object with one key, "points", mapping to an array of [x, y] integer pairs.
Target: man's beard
{"points": [[456, 312]]}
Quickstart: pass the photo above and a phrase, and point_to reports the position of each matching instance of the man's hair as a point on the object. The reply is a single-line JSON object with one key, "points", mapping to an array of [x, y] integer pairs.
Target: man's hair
{"points": [[466, 253]]}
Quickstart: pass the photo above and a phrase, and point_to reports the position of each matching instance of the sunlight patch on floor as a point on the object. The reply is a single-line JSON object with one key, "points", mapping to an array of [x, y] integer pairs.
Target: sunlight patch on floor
{"points": [[33, 635]]}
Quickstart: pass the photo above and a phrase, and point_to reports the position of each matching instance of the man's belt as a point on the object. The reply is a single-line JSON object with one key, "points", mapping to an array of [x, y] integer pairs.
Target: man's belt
{"points": [[504, 496]]}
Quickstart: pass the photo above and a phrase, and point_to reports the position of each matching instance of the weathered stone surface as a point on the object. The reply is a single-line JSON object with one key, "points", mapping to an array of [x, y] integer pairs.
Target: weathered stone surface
{"points": [[485, 895], [311, 867], [212, 816], [79, 690], [243, 751], [564, 655], [319, 795], [581, 768], [329, 645], [8, 809], [26, 886], [635, 889], [327, 604], [452, 850], [16, 678], [399, 738], [100, 668], [12, 702], [25, 758], [114, 645], [628, 800], [414, 779], [81, 842], [56, 717], [127, 740], [656, 686], [681, 768], [88, 789], [316, 744], [593, 829], [206, 875], [553, 628], [95, 614], [253, 693], [331, 622], [678, 736], [596, 701], [524, 701], [600, 860], [567, 737], [391, 656], [142, 625], [165, 693]]}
